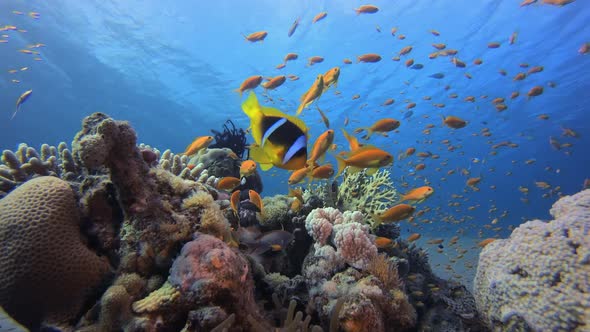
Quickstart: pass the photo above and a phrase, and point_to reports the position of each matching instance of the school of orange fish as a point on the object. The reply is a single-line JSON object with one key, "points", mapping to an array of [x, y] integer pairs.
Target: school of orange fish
{"points": [[372, 158], [366, 156]]}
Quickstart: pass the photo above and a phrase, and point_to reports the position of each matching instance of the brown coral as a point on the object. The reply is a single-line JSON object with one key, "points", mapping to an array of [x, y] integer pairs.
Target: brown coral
{"points": [[45, 268]]}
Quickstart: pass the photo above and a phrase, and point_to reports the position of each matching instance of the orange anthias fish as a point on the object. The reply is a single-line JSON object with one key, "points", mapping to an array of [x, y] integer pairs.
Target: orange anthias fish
{"points": [[249, 84], [322, 172], [382, 126], [366, 9], [331, 78], [274, 82], [321, 145], [256, 200], [256, 36], [228, 183], [418, 194], [370, 57], [319, 17], [290, 56], [558, 2], [199, 144], [454, 122], [414, 237], [486, 242], [234, 201], [315, 59], [534, 91], [314, 93], [383, 242], [388, 102], [395, 213], [405, 50], [247, 168], [353, 143], [365, 157], [298, 175]]}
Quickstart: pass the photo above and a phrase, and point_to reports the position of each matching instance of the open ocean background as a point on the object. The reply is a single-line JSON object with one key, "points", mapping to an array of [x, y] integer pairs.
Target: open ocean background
{"points": [[170, 68]]}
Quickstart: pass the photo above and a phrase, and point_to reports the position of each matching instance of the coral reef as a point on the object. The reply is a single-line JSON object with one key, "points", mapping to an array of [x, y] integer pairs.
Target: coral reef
{"points": [[538, 278], [182, 259], [46, 269]]}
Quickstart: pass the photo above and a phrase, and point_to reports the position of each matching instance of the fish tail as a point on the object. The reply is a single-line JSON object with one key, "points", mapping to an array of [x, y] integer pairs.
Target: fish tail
{"points": [[341, 165], [300, 109], [369, 133], [14, 114]]}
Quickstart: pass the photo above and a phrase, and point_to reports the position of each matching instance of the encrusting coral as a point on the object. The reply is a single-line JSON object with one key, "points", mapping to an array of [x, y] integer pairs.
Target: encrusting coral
{"points": [[46, 270], [539, 278]]}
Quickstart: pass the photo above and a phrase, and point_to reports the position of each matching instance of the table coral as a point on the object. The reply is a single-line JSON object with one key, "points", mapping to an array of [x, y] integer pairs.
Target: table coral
{"points": [[539, 278], [46, 270]]}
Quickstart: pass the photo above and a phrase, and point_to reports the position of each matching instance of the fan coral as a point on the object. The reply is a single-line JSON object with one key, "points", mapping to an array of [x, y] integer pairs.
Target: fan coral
{"points": [[539, 277], [369, 194], [46, 270]]}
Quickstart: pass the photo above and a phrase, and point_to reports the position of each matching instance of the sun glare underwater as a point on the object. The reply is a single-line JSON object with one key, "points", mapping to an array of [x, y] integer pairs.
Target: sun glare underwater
{"points": [[314, 151]]}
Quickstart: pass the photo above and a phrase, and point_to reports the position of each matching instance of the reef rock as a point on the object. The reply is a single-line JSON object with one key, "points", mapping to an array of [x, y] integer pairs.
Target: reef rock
{"points": [[539, 278]]}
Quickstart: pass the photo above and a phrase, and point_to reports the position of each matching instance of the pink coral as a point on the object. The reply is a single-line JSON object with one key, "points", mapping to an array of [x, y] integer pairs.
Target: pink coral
{"points": [[354, 244], [319, 223], [351, 236]]}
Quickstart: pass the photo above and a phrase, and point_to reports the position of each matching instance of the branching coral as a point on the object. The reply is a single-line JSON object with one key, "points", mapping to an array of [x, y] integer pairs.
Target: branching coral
{"points": [[367, 193], [26, 163]]}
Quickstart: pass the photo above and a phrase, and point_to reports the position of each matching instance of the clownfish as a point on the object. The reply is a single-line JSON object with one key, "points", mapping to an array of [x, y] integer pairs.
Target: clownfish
{"points": [[281, 139]]}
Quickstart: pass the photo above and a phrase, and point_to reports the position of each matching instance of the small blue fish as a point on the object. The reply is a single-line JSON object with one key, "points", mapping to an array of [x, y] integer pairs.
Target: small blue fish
{"points": [[438, 76], [408, 114], [417, 66]]}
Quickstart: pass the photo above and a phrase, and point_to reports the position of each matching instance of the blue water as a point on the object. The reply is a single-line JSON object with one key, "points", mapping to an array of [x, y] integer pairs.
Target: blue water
{"points": [[170, 68]]}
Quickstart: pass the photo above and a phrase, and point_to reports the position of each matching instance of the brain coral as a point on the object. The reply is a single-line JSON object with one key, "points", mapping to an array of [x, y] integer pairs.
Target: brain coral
{"points": [[539, 278], [45, 269]]}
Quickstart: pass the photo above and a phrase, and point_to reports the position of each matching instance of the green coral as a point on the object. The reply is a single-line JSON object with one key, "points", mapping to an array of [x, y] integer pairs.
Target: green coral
{"points": [[367, 193]]}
